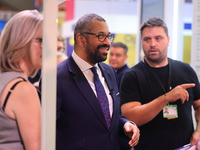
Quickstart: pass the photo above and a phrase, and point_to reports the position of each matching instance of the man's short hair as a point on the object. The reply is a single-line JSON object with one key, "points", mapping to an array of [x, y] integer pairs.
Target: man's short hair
{"points": [[83, 23], [152, 22], [120, 44]]}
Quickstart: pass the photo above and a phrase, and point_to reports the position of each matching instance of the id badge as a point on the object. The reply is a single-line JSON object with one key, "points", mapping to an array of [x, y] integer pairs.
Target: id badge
{"points": [[170, 111]]}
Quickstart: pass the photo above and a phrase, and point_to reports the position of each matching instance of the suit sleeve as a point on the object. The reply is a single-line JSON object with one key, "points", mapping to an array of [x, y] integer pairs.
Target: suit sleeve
{"points": [[59, 100]]}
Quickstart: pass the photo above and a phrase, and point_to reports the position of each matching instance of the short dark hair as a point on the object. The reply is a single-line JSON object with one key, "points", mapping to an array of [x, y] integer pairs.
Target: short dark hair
{"points": [[152, 22], [120, 44], [83, 23]]}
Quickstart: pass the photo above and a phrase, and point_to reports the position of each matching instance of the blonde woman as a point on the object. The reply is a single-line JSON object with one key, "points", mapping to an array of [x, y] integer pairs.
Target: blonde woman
{"points": [[20, 57]]}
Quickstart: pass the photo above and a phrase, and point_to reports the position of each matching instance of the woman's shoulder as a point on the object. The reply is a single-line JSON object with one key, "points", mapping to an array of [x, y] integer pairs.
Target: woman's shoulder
{"points": [[23, 95]]}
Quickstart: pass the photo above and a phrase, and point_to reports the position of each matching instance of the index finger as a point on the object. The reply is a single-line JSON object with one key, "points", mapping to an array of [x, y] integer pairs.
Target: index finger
{"points": [[188, 85]]}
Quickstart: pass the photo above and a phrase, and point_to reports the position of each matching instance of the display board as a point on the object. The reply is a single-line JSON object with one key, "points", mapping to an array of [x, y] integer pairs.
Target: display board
{"points": [[195, 52]]}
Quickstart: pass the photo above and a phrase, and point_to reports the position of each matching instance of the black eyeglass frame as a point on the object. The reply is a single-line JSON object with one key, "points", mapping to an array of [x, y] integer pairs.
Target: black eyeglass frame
{"points": [[109, 36]]}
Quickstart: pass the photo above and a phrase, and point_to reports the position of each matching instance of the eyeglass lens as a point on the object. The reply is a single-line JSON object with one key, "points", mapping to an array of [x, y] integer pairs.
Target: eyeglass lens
{"points": [[102, 37]]}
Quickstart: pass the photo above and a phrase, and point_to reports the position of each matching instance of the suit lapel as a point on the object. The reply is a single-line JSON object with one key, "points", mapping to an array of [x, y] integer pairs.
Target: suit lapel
{"points": [[107, 77], [86, 90]]}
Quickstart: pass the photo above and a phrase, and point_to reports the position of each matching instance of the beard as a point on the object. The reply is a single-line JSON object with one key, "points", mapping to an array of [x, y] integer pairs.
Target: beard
{"points": [[93, 54], [154, 58]]}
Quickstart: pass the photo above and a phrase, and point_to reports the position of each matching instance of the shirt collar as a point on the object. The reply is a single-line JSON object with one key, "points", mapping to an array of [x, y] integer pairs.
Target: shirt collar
{"points": [[82, 64]]}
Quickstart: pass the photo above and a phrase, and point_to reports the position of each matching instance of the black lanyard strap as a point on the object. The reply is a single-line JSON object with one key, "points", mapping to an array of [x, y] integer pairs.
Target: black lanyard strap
{"points": [[169, 78]]}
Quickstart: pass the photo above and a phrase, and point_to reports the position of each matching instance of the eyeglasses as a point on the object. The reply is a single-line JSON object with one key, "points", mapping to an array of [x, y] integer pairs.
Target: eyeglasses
{"points": [[101, 36], [39, 40], [60, 49]]}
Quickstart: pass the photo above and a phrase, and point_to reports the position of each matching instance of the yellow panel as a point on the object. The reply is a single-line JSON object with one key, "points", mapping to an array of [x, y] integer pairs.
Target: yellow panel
{"points": [[71, 41], [186, 49]]}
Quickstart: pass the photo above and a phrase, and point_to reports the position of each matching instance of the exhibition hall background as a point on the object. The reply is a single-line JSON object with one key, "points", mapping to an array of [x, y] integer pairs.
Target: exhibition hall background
{"points": [[122, 17]]}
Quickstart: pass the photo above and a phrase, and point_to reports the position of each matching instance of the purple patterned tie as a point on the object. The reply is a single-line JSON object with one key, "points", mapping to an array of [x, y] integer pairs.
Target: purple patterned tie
{"points": [[101, 94]]}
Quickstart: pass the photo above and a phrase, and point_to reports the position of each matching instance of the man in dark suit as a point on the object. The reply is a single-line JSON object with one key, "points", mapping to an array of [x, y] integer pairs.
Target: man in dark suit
{"points": [[117, 59], [81, 121]]}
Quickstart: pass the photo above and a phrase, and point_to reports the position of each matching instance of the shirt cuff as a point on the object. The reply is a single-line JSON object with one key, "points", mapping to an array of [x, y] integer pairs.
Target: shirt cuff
{"points": [[131, 123]]}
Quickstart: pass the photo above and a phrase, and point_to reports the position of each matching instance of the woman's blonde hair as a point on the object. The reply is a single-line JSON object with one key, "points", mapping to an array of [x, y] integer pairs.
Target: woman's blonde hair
{"points": [[16, 39]]}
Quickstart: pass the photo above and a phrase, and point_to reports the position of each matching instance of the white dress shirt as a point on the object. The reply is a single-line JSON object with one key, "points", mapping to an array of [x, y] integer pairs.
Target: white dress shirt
{"points": [[85, 68]]}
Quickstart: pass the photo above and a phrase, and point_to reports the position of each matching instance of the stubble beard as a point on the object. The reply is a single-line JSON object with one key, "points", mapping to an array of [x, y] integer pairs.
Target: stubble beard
{"points": [[154, 59]]}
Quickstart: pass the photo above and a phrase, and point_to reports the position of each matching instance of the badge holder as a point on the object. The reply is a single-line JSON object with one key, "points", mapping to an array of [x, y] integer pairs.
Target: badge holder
{"points": [[170, 111]]}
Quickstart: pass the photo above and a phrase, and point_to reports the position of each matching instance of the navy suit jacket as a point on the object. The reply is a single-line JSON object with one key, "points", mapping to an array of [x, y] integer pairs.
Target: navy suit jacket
{"points": [[120, 74], [80, 121]]}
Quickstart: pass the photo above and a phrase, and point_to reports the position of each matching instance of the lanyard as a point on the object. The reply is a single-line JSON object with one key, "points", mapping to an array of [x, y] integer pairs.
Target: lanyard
{"points": [[169, 78]]}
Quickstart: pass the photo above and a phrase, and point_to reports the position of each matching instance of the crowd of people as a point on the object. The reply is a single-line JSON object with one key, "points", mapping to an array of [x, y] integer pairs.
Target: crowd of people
{"points": [[99, 106]]}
